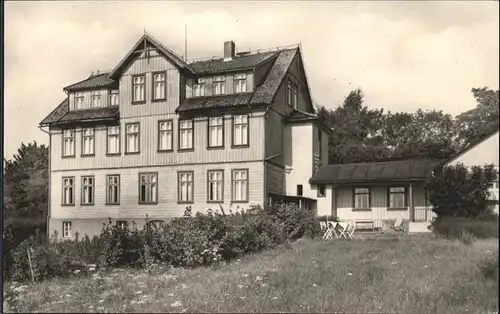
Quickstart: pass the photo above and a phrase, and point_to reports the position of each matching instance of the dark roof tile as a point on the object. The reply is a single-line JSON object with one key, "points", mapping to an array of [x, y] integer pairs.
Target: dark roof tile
{"points": [[232, 100], [376, 171], [90, 114], [57, 113], [238, 63], [94, 81]]}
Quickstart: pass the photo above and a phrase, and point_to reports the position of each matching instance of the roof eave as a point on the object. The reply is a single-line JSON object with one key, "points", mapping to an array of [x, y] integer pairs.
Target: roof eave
{"points": [[368, 181]]}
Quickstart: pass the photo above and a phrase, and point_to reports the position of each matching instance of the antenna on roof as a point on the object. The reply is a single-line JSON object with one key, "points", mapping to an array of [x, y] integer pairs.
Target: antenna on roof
{"points": [[185, 42], [145, 33]]}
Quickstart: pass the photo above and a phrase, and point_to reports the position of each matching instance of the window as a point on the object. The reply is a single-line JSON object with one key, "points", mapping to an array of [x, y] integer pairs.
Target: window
{"points": [[87, 190], [68, 193], [320, 146], [361, 198], [122, 224], [113, 189], [397, 197], [216, 132], [79, 99], [132, 144], [299, 189], [66, 228], [219, 85], [165, 136], [295, 97], [185, 186], [289, 92], [240, 185], [88, 141], [138, 90], [96, 99], [199, 89], [186, 134], [69, 143], [159, 86], [114, 98], [215, 186], [321, 190], [240, 83], [113, 140], [148, 188], [240, 130]]}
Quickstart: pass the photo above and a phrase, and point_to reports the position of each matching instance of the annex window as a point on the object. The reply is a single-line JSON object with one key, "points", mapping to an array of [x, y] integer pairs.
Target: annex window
{"points": [[240, 83], [185, 186], [96, 99], [68, 192], [132, 142], [397, 197], [240, 130], [289, 92], [88, 141], [138, 90], [66, 229], [199, 88], [165, 136], [219, 85], [299, 189], [321, 190], [79, 100], [215, 186], [159, 86], [148, 188], [186, 134], [69, 143], [114, 97], [240, 185], [361, 198], [113, 189], [216, 132], [87, 190], [113, 140]]}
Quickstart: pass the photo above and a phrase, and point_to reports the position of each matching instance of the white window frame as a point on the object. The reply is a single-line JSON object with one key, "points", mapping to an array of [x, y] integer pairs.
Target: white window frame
{"points": [[239, 185], [132, 131], [79, 100], [215, 186], [240, 83], [399, 191], [88, 190], [361, 196], [68, 191], [138, 88], [199, 88], [289, 92], [159, 86], [185, 186], [95, 100], [186, 134], [114, 97], [241, 130], [66, 229], [165, 135], [69, 143], [88, 141], [219, 85], [216, 132], [148, 180], [295, 97], [113, 189], [113, 135]]}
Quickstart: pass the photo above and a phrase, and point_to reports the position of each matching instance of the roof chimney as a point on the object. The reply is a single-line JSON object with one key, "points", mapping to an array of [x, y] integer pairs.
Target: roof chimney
{"points": [[229, 50]]}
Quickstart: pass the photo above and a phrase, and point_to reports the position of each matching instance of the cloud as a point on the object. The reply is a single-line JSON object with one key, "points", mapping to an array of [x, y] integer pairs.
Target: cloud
{"points": [[404, 55]]}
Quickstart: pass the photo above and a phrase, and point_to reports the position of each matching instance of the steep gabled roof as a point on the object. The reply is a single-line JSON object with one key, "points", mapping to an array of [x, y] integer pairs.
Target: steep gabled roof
{"points": [[62, 114], [148, 40], [238, 63], [472, 146], [101, 80], [57, 113]]}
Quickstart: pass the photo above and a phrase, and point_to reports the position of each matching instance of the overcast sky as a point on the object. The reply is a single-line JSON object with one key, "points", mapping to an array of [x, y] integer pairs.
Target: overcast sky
{"points": [[404, 55]]}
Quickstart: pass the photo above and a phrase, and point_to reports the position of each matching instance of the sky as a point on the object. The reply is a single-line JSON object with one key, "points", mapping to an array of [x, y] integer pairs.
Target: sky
{"points": [[403, 55]]}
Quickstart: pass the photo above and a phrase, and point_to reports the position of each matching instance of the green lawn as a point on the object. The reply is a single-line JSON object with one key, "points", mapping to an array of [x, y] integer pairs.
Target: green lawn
{"points": [[400, 274]]}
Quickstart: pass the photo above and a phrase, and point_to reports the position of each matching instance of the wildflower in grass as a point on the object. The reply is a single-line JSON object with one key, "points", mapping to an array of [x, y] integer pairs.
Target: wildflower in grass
{"points": [[245, 275], [349, 274], [241, 286], [138, 292], [170, 294], [315, 285], [77, 271], [100, 308], [258, 278], [176, 304], [101, 301]]}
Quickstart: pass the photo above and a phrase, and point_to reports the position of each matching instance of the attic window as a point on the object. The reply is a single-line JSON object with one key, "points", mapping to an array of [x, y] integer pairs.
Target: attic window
{"points": [[240, 83], [219, 85], [138, 90], [96, 99], [199, 88], [289, 92], [79, 98]]}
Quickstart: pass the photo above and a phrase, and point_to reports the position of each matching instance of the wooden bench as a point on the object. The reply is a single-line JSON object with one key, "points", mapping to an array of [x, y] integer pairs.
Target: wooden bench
{"points": [[365, 225]]}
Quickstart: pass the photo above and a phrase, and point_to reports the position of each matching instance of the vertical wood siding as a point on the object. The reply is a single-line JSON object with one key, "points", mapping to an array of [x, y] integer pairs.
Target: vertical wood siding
{"points": [[274, 179], [297, 74], [167, 191], [274, 139], [87, 99]]}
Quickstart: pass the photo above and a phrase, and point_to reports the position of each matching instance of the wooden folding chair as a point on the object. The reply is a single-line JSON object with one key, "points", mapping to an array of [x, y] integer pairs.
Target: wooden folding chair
{"points": [[349, 232], [398, 224], [342, 230]]}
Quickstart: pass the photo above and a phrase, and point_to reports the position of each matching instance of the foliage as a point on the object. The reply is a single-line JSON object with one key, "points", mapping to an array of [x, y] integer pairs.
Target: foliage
{"points": [[458, 227], [460, 192]]}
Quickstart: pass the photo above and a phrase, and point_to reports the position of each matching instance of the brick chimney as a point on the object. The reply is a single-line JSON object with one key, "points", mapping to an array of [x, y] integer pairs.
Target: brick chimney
{"points": [[229, 50]]}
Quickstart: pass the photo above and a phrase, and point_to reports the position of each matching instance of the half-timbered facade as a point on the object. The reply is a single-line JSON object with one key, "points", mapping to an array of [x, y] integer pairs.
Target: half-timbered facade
{"points": [[157, 134]]}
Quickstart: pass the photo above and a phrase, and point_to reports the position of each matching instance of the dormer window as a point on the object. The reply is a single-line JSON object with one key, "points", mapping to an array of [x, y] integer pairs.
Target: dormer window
{"points": [[114, 99], [199, 88], [240, 83], [96, 99], [219, 85], [138, 90], [79, 98]]}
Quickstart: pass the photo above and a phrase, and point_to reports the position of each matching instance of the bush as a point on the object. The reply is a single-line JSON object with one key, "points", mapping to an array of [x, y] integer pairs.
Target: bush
{"points": [[294, 221], [454, 227]]}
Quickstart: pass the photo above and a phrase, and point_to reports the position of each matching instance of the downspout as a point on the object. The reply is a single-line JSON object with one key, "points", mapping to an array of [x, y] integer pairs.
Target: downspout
{"points": [[48, 180]]}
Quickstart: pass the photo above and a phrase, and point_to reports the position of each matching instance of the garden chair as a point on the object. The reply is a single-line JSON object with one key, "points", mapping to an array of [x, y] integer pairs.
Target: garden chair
{"points": [[398, 225], [333, 226], [349, 232], [328, 231], [343, 229]]}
